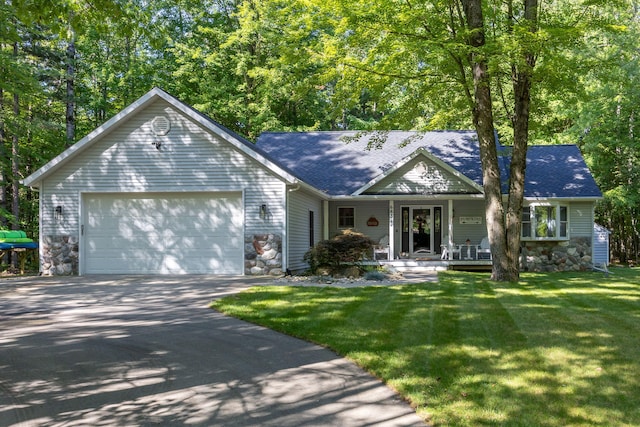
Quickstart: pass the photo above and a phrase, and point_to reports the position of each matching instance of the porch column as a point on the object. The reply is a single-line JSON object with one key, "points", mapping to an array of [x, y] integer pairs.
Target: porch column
{"points": [[450, 223], [392, 235]]}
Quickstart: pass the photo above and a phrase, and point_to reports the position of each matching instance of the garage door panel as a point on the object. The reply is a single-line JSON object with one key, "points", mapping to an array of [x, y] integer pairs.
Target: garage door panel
{"points": [[164, 233], [219, 244]]}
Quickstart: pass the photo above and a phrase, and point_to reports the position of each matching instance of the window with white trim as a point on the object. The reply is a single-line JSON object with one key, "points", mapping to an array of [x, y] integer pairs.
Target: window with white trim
{"points": [[346, 217], [545, 222]]}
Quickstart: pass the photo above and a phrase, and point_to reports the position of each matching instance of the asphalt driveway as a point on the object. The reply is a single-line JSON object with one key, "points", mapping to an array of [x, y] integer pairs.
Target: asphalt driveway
{"points": [[142, 351]]}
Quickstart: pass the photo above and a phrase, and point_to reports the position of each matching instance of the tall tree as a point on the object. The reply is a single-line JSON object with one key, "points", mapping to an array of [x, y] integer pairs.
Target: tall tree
{"points": [[70, 99], [504, 267], [460, 55], [608, 129]]}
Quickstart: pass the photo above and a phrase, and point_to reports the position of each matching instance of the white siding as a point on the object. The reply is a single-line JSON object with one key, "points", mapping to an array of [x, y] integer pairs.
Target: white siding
{"points": [[363, 210], [473, 232], [581, 219], [421, 176], [190, 159], [600, 245], [300, 204]]}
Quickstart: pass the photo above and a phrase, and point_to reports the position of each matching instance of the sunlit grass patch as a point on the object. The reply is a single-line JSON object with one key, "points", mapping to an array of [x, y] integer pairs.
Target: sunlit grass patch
{"points": [[553, 349]]}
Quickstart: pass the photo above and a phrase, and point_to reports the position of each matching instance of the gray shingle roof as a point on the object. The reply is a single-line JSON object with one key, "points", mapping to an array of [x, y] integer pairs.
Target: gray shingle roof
{"points": [[326, 161], [340, 163], [558, 171]]}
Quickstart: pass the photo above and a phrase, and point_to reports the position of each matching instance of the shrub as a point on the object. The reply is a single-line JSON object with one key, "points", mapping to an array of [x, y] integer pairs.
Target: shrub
{"points": [[348, 247]]}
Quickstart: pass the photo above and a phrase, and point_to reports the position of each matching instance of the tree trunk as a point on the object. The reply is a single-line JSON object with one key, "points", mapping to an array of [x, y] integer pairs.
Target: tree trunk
{"points": [[521, 78], [15, 171], [3, 175], [70, 99], [3, 166], [502, 268]]}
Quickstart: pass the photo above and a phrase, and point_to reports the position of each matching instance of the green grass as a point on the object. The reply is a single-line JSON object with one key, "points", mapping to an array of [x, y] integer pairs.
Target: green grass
{"points": [[554, 349]]}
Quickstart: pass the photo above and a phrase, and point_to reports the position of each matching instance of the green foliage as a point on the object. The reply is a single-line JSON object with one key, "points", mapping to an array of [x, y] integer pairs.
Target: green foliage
{"points": [[348, 247], [607, 129]]}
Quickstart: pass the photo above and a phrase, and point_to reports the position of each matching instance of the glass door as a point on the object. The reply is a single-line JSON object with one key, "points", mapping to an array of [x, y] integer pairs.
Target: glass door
{"points": [[421, 235], [421, 230]]}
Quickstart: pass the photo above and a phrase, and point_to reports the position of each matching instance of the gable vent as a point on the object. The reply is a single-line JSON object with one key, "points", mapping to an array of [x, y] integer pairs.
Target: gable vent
{"points": [[160, 125]]}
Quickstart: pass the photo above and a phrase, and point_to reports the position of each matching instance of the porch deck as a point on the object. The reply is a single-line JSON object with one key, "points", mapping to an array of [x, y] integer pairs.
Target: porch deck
{"points": [[418, 265]]}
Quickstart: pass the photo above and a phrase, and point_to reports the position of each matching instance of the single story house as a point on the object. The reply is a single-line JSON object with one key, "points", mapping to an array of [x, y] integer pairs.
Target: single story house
{"points": [[162, 189]]}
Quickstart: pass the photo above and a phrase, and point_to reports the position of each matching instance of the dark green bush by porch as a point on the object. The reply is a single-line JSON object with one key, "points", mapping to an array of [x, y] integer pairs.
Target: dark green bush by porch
{"points": [[332, 254]]}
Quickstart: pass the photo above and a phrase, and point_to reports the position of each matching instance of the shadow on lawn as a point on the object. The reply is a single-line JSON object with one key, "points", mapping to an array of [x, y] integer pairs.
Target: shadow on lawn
{"points": [[550, 350], [543, 352]]}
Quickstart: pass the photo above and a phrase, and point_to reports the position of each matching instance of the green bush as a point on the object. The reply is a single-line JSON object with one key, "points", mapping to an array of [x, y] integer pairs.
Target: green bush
{"points": [[348, 247]]}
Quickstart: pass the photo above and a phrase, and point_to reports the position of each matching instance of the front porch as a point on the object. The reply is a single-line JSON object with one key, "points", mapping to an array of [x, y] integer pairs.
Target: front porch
{"points": [[422, 232], [431, 264]]}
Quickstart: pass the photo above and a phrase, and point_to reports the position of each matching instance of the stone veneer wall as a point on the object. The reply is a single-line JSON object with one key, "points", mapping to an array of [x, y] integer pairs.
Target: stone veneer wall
{"points": [[263, 254], [59, 255], [571, 255]]}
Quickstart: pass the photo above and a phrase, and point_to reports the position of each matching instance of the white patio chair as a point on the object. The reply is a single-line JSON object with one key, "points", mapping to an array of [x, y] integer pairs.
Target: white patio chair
{"points": [[450, 252], [381, 250], [483, 250]]}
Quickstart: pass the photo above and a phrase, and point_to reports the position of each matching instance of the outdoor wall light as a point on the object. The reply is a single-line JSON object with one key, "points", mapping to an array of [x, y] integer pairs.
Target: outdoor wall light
{"points": [[58, 213], [263, 211]]}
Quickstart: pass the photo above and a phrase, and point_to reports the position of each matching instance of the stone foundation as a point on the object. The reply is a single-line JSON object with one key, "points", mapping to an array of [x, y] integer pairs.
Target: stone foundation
{"points": [[59, 255], [263, 254], [572, 255]]}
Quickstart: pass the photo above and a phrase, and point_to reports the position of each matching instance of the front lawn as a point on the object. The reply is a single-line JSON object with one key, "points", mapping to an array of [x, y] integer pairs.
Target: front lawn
{"points": [[554, 349]]}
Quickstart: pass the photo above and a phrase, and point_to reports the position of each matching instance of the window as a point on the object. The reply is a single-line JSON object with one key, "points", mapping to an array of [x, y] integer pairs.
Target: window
{"points": [[346, 217], [545, 222], [312, 230], [526, 222]]}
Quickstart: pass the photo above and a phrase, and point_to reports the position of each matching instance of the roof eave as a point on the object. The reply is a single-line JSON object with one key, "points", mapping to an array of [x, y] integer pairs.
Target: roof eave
{"points": [[428, 155], [35, 178], [38, 176], [434, 196], [235, 140], [565, 199], [310, 188]]}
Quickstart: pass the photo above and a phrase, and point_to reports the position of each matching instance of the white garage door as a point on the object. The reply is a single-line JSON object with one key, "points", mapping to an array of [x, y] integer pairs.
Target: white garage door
{"points": [[163, 233]]}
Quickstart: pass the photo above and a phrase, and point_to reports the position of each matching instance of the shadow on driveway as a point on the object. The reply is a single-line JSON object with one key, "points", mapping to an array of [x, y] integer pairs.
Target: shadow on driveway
{"points": [[142, 350]]}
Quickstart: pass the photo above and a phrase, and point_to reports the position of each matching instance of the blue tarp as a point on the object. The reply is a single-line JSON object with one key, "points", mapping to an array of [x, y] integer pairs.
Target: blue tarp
{"points": [[22, 245]]}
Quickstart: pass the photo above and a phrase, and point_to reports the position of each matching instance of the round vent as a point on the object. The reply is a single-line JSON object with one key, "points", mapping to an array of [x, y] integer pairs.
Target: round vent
{"points": [[161, 125]]}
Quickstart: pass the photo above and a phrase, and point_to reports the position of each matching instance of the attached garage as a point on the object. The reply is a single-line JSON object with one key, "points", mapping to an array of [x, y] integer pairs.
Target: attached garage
{"points": [[162, 233], [162, 189]]}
